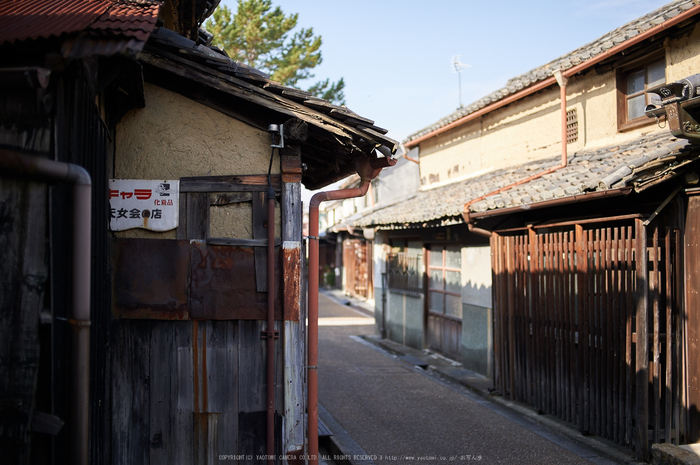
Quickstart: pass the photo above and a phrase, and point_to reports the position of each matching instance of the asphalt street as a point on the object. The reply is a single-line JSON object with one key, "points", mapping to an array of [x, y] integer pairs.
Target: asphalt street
{"points": [[399, 414]]}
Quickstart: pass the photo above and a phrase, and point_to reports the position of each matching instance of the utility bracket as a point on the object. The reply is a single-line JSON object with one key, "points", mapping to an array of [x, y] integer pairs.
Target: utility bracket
{"points": [[266, 334]]}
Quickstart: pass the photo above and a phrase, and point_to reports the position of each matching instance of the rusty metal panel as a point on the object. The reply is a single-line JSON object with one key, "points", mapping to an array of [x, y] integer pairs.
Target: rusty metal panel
{"points": [[223, 284], [183, 279], [292, 281], [151, 278]]}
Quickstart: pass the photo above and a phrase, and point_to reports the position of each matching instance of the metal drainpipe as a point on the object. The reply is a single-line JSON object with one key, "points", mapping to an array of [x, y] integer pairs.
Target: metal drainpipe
{"points": [[270, 325], [42, 169], [562, 80], [570, 72], [368, 169]]}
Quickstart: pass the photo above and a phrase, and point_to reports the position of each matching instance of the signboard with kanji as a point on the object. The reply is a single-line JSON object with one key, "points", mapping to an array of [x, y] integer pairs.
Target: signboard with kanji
{"points": [[146, 204]]}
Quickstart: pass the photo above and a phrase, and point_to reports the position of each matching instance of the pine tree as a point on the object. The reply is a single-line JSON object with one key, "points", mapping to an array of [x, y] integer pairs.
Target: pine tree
{"points": [[264, 38]]}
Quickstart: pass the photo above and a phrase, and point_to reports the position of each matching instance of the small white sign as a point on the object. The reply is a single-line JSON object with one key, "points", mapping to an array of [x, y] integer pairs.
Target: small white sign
{"points": [[146, 204]]}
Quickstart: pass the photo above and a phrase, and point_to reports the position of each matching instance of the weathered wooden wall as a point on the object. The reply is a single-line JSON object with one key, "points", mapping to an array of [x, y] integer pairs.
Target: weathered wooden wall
{"points": [[190, 391], [23, 277], [573, 304]]}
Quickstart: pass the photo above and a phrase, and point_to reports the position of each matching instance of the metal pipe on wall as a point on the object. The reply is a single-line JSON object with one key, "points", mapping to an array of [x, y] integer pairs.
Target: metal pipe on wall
{"points": [[270, 325], [367, 169], [568, 73], [562, 81], [41, 169]]}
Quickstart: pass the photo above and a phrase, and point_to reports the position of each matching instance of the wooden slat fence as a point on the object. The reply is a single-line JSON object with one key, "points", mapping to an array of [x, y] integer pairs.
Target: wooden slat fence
{"points": [[570, 304]]}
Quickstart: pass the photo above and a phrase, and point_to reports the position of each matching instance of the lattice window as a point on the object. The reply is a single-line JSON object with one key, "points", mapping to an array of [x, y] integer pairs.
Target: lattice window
{"points": [[403, 272], [571, 126]]}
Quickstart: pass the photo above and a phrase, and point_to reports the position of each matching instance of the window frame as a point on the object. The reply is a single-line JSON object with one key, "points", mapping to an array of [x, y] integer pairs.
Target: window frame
{"points": [[623, 123], [443, 269]]}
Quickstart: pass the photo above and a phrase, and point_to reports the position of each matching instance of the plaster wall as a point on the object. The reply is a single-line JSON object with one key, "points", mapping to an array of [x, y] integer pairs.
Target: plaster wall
{"points": [[683, 56], [519, 133], [476, 276], [477, 339], [404, 319], [530, 129], [174, 137], [399, 182]]}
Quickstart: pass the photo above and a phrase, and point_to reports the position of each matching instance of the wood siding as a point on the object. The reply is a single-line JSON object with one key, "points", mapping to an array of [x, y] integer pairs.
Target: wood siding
{"points": [[572, 307]]}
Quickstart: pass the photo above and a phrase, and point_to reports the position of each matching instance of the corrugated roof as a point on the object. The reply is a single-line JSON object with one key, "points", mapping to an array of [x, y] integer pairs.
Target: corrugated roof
{"points": [[91, 27], [578, 56], [638, 164]]}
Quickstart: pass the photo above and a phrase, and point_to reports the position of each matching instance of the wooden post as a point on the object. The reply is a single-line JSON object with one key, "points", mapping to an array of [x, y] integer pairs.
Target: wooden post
{"points": [[294, 333], [642, 362]]}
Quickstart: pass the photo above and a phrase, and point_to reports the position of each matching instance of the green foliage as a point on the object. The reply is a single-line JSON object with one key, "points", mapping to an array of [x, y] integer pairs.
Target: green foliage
{"points": [[265, 38], [328, 277]]}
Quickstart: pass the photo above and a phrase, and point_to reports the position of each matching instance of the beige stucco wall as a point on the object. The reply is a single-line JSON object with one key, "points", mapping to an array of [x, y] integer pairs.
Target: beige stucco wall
{"points": [[530, 128], [175, 137]]}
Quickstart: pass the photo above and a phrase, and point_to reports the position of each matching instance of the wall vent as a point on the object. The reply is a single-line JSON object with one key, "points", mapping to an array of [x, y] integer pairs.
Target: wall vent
{"points": [[571, 126]]}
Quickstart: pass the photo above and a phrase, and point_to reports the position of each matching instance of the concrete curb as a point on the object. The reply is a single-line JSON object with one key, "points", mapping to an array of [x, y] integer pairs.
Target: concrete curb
{"points": [[343, 448]]}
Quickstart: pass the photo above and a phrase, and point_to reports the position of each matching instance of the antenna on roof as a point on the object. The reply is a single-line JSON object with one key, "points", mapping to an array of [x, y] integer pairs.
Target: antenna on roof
{"points": [[457, 67]]}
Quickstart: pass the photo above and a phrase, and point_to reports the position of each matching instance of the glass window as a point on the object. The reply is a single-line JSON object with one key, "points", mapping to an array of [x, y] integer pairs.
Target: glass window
{"points": [[436, 256], [445, 280], [636, 82], [452, 282], [436, 303], [453, 257], [453, 306], [436, 279]]}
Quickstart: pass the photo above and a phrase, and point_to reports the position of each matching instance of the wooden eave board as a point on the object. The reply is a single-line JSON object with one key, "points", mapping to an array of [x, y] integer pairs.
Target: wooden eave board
{"points": [[254, 94]]}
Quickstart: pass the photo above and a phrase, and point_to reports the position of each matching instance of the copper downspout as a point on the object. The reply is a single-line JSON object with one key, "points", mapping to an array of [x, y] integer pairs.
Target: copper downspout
{"points": [[49, 170], [270, 325], [564, 159], [368, 169], [568, 73]]}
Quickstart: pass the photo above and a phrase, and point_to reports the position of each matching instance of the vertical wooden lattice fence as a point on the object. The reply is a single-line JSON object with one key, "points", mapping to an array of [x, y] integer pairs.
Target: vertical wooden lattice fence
{"points": [[572, 302]]}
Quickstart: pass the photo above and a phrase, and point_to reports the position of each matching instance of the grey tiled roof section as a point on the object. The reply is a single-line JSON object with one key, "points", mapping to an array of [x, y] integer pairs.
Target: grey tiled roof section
{"points": [[586, 52], [636, 163]]}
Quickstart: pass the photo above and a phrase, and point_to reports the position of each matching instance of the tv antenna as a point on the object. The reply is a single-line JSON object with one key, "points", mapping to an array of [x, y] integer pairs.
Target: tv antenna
{"points": [[457, 67]]}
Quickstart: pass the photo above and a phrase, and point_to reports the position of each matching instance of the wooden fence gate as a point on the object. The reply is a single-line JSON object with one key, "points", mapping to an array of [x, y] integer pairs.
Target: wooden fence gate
{"points": [[572, 302], [357, 263]]}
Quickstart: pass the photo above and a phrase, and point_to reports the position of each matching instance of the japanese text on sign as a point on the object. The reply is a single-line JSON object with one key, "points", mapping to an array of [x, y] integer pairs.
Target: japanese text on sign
{"points": [[146, 204]]}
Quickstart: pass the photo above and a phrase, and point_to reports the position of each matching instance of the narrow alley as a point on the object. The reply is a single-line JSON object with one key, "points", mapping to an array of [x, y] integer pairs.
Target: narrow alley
{"points": [[397, 413]]}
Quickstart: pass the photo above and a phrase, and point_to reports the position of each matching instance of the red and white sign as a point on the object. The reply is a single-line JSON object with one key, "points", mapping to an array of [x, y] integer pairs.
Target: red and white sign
{"points": [[146, 204]]}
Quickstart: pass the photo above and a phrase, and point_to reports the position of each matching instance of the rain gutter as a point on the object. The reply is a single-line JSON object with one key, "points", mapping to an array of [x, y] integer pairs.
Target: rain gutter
{"points": [[577, 198], [41, 169], [367, 169], [566, 73]]}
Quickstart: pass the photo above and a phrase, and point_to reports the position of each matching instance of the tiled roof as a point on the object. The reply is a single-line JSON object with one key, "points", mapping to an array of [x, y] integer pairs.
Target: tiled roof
{"points": [[98, 27], [638, 164], [580, 55]]}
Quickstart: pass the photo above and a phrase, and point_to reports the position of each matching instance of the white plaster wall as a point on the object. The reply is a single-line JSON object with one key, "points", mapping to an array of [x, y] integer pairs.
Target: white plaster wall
{"points": [[476, 276]]}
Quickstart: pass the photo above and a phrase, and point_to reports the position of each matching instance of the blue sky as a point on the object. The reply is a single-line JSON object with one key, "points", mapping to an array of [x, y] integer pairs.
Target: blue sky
{"points": [[395, 56]]}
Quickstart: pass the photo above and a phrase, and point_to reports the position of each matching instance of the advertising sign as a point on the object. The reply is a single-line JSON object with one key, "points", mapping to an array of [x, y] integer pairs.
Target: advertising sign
{"points": [[146, 204]]}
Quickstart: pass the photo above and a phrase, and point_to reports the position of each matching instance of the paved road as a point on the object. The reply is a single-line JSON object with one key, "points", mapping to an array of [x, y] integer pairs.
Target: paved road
{"points": [[400, 415]]}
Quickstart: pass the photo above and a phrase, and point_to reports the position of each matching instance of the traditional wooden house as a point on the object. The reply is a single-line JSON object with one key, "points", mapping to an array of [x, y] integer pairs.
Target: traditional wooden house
{"points": [[151, 200], [351, 249], [551, 244]]}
